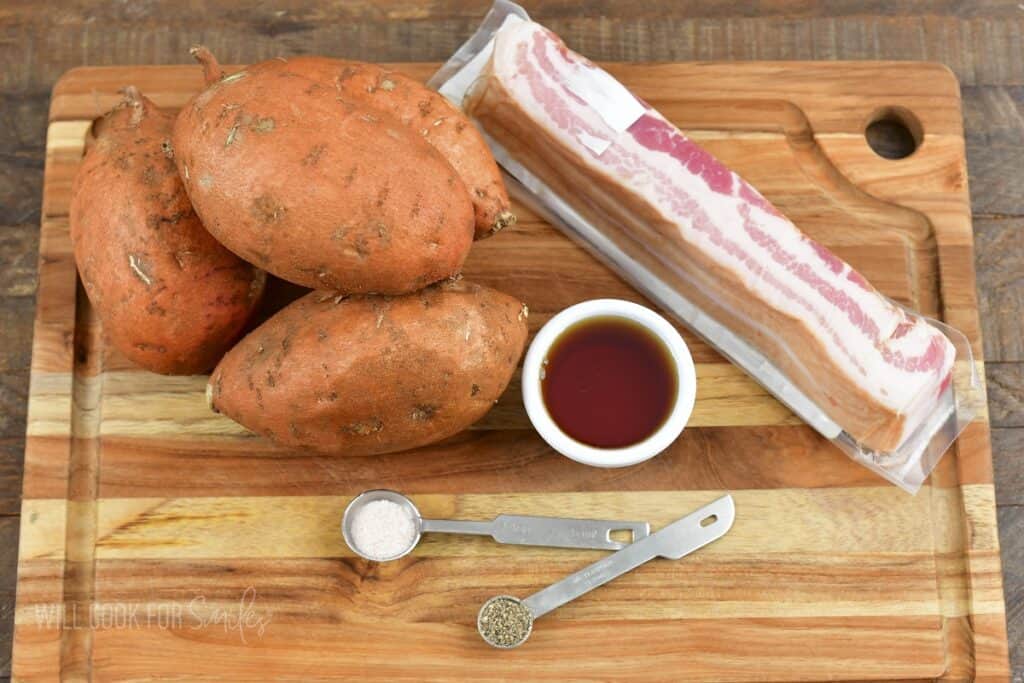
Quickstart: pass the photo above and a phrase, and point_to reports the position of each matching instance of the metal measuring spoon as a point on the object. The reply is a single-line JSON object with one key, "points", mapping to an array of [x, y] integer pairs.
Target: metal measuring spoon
{"points": [[554, 532], [506, 622]]}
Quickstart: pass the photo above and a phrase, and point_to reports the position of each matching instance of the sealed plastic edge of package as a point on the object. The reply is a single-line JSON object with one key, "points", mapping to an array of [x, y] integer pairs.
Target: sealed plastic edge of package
{"points": [[891, 388]]}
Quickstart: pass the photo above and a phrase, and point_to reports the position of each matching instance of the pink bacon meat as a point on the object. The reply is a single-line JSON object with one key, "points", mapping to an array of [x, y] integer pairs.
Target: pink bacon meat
{"points": [[877, 370]]}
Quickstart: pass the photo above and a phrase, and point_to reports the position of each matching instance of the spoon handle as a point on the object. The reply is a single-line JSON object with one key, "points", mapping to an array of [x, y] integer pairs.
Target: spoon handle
{"points": [[553, 532], [589, 578], [456, 526], [557, 532], [675, 541]]}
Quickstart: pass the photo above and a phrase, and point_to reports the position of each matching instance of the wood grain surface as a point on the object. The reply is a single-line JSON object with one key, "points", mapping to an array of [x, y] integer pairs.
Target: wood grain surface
{"points": [[980, 41], [159, 539]]}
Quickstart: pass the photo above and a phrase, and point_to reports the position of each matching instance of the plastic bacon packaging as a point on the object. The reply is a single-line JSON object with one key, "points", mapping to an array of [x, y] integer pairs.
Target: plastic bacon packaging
{"points": [[891, 388]]}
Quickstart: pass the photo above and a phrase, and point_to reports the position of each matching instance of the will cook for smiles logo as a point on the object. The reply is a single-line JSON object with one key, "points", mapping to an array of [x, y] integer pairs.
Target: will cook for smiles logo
{"points": [[242, 616]]}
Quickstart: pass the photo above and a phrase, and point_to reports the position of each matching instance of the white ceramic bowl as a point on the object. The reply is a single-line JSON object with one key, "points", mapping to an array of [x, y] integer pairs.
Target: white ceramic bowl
{"points": [[536, 357]]}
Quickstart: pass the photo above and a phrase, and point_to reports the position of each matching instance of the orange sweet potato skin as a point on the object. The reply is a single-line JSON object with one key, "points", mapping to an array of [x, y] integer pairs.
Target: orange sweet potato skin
{"points": [[170, 297], [319, 191], [430, 115], [367, 375]]}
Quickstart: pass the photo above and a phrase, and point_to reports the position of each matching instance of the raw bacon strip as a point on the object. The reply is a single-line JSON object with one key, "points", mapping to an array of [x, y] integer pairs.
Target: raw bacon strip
{"points": [[875, 369]]}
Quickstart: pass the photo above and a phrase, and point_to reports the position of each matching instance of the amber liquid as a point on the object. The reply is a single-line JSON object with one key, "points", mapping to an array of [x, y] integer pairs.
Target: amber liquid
{"points": [[609, 382]]}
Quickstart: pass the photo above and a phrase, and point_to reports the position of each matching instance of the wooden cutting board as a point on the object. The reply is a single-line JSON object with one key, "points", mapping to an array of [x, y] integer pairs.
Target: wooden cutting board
{"points": [[160, 540]]}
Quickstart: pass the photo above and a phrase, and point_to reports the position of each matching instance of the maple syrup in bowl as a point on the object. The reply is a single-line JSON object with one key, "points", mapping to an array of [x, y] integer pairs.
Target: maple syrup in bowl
{"points": [[609, 383]]}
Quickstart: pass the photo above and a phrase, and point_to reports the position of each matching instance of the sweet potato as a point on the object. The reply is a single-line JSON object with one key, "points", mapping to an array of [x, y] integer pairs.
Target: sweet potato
{"points": [[319, 191], [368, 374], [169, 296], [429, 114]]}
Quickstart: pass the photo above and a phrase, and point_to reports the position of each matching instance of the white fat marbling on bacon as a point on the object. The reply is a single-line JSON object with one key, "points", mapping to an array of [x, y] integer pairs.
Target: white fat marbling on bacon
{"points": [[897, 358]]}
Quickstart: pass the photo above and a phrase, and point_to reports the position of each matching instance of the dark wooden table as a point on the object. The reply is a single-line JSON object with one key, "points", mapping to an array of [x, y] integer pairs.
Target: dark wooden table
{"points": [[981, 41]]}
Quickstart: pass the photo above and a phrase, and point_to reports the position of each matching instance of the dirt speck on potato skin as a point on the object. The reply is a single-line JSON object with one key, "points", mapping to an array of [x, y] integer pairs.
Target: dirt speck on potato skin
{"points": [[265, 209], [374, 374], [313, 157], [423, 412], [170, 297]]}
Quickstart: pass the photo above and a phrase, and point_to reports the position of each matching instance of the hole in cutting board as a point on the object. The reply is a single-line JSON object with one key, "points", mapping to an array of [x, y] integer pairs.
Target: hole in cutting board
{"points": [[894, 133]]}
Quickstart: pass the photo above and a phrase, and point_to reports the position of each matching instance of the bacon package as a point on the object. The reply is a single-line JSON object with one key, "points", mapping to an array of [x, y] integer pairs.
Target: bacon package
{"points": [[891, 388]]}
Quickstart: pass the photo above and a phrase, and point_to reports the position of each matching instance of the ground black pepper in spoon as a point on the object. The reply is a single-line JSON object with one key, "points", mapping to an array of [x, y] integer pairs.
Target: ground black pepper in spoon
{"points": [[504, 621]]}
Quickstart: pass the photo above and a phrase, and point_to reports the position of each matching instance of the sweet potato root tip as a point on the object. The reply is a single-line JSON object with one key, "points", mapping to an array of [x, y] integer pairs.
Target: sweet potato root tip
{"points": [[209, 396], [134, 100], [212, 72], [132, 96], [504, 220]]}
